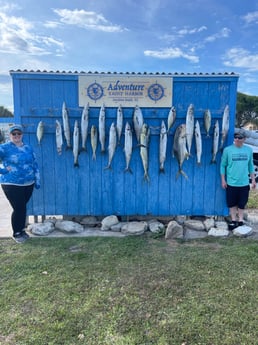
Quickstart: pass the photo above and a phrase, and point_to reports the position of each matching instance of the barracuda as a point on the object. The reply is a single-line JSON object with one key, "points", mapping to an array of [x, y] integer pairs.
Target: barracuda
{"points": [[179, 148], [84, 126]]}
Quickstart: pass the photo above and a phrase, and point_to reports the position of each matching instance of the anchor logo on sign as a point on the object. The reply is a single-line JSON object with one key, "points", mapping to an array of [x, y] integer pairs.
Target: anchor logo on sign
{"points": [[156, 92], [95, 91]]}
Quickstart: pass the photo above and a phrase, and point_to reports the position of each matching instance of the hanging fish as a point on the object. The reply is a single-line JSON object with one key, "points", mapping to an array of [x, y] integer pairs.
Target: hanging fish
{"points": [[138, 122], [94, 140], [171, 117], [189, 127], [163, 137], [128, 146], [102, 121], [84, 126], [179, 148], [225, 126], [59, 137], [76, 143], [40, 131], [207, 121], [66, 126], [119, 123], [112, 144], [215, 143], [198, 142], [144, 148]]}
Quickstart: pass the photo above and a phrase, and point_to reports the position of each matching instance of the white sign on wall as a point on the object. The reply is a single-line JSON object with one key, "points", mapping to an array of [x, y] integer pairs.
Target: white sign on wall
{"points": [[114, 89]]}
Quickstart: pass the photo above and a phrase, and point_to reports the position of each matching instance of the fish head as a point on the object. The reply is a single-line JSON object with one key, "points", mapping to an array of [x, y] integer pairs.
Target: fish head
{"points": [[163, 127], [127, 127], [182, 129], [93, 129], [145, 128]]}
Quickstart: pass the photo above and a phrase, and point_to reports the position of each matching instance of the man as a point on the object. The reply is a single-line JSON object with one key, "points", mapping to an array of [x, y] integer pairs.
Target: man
{"points": [[236, 165]]}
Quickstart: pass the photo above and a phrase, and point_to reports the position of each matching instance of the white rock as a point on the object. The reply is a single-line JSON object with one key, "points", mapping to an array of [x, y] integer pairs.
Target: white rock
{"points": [[108, 221], [174, 230], [209, 223], [134, 228], [221, 225], [90, 221], [41, 229], [117, 227], [180, 219], [218, 232], [243, 230], [194, 234], [69, 226], [194, 224], [155, 226]]}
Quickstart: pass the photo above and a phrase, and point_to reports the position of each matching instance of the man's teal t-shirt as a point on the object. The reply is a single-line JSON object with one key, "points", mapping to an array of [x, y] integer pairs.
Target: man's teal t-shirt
{"points": [[237, 164]]}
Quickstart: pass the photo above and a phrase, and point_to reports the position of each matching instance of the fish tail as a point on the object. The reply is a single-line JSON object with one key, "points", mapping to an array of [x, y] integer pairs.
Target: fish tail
{"points": [[162, 170], [83, 149], [68, 148], [94, 156], [128, 169], [187, 155], [146, 177], [108, 167], [76, 165], [213, 161], [181, 172]]}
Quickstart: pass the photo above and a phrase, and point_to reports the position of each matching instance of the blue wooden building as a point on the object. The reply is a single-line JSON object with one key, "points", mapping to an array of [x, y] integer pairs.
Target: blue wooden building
{"points": [[90, 189]]}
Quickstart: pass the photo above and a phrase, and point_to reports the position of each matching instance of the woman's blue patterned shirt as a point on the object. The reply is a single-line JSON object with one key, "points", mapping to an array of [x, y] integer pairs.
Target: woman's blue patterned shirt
{"points": [[22, 161]]}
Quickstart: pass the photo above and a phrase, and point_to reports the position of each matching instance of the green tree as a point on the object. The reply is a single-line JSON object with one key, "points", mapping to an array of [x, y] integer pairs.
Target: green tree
{"points": [[5, 112], [246, 110]]}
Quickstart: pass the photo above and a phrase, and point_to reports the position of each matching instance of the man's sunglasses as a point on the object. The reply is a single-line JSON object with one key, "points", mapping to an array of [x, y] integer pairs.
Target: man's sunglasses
{"points": [[16, 133], [239, 137]]}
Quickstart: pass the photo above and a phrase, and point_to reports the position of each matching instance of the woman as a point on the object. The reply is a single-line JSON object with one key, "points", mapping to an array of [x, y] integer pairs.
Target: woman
{"points": [[18, 177]]}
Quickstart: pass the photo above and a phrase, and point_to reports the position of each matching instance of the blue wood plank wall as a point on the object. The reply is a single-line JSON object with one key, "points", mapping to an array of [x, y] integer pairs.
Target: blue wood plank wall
{"points": [[92, 190]]}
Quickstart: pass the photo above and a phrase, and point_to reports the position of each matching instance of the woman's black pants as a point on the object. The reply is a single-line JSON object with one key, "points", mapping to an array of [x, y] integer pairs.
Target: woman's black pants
{"points": [[18, 197]]}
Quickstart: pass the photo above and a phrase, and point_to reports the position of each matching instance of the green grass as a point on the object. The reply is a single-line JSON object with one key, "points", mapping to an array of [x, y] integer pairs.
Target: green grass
{"points": [[253, 199], [129, 291]]}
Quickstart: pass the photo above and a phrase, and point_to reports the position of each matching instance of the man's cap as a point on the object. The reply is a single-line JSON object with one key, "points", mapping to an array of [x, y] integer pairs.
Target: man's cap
{"points": [[15, 127], [240, 133]]}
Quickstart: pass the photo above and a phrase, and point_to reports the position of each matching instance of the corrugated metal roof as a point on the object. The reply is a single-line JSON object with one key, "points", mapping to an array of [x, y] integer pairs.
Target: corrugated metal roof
{"points": [[128, 73]]}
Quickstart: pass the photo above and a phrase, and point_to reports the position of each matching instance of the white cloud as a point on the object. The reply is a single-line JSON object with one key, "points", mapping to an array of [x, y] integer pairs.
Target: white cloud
{"points": [[17, 35], [223, 33], [242, 58], [51, 24], [186, 31], [87, 20], [251, 17], [171, 53]]}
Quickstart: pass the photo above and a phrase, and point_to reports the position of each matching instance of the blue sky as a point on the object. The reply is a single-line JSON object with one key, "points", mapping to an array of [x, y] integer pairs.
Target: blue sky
{"points": [[201, 36]]}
